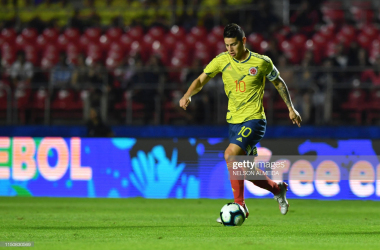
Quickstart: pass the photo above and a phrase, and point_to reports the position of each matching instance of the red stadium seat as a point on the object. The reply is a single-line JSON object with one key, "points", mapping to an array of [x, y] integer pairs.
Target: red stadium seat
{"points": [[332, 12], [72, 34], [364, 41], [218, 31], [182, 46], [177, 64], [20, 42], [191, 40], [93, 34], [112, 62], [22, 103], [136, 33], [114, 33], [373, 106], [105, 42], [298, 40], [147, 42], [319, 41], [63, 41], [327, 31], [291, 52], [172, 110], [198, 32], [331, 48], [159, 49], [51, 49], [48, 63], [212, 40], [31, 53], [66, 104], [370, 30], [362, 11], [137, 109], [38, 104], [157, 33], [355, 105], [9, 35], [29, 34], [84, 42], [41, 42], [348, 31], [220, 47], [7, 59], [178, 32], [341, 38], [117, 47], [50, 34], [255, 40], [170, 42], [126, 41]]}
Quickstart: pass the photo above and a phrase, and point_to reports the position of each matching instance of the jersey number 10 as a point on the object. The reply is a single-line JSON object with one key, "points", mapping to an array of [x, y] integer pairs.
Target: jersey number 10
{"points": [[239, 86]]}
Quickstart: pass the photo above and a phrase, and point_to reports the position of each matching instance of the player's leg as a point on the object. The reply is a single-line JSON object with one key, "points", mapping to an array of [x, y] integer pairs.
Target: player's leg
{"points": [[252, 133], [237, 185]]}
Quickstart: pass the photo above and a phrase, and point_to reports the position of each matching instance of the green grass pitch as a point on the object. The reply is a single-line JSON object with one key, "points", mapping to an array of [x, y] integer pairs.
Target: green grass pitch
{"points": [[66, 223]]}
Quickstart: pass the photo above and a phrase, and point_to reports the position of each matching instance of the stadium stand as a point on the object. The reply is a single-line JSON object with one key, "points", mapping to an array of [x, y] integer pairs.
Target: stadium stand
{"points": [[122, 36]]}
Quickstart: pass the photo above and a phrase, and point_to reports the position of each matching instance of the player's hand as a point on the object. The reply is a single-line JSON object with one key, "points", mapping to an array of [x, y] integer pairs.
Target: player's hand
{"points": [[295, 117], [184, 102]]}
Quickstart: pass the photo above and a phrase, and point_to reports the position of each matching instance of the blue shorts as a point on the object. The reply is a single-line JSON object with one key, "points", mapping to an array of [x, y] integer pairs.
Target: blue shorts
{"points": [[247, 134]]}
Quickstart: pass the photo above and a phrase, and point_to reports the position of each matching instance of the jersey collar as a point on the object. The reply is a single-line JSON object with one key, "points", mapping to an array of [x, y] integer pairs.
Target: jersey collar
{"points": [[245, 59]]}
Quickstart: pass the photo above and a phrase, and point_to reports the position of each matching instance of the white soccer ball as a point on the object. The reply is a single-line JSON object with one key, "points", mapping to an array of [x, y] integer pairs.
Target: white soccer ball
{"points": [[232, 214]]}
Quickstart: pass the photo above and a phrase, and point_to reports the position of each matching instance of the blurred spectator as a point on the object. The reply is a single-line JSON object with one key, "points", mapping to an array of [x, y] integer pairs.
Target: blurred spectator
{"points": [[363, 58], [81, 74], [21, 71], [76, 21], [372, 75], [322, 96], [305, 18], [263, 20], [286, 73], [340, 58], [97, 75], [200, 107], [62, 73], [273, 52], [96, 127], [305, 79], [353, 54], [147, 83]]}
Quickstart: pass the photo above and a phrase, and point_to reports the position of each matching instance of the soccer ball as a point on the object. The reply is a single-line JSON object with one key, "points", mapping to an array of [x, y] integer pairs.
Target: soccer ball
{"points": [[232, 214]]}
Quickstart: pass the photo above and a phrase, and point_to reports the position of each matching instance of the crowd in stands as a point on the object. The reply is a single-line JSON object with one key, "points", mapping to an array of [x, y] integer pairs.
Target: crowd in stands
{"points": [[150, 51]]}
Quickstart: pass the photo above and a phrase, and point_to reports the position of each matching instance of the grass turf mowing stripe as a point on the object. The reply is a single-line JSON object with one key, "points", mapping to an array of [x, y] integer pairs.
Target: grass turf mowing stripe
{"points": [[72, 223]]}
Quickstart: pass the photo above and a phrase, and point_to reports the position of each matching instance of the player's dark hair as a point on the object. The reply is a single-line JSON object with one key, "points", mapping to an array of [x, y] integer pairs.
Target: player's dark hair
{"points": [[233, 30]]}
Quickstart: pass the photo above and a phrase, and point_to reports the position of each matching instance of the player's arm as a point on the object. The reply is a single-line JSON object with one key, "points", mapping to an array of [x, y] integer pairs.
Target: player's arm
{"points": [[284, 93], [194, 88]]}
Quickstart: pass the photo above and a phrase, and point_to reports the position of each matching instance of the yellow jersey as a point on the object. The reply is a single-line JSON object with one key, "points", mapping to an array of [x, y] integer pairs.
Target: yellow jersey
{"points": [[244, 84]]}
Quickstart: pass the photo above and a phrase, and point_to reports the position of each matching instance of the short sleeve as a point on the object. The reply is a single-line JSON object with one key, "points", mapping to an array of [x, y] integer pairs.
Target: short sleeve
{"points": [[213, 68], [271, 72]]}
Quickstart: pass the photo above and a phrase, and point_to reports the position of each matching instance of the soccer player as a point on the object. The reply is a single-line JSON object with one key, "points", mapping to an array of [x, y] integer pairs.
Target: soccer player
{"points": [[244, 74]]}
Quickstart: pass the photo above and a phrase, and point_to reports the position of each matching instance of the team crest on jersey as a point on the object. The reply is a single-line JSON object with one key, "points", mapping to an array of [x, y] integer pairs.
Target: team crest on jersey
{"points": [[253, 71]]}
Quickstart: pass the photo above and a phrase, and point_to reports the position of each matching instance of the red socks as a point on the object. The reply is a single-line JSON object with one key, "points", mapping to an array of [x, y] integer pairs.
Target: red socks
{"points": [[238, 185], [238, 190]]}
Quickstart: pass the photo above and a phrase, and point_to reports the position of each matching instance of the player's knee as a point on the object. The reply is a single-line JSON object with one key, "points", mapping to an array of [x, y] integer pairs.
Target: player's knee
{"points": [[228, 154]]}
